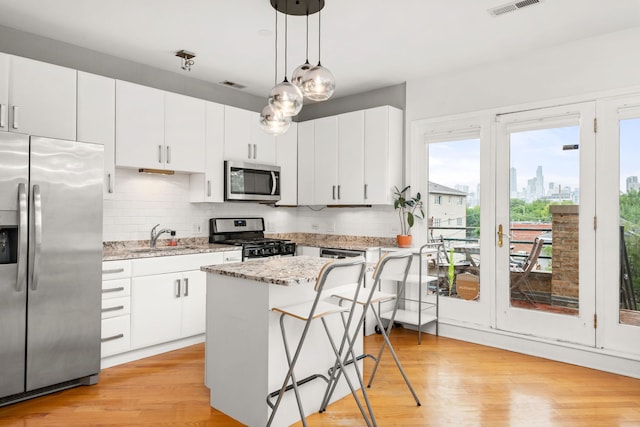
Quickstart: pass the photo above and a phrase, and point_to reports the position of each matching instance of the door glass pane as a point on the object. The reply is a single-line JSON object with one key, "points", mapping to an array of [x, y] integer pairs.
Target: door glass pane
{"points": [[454, 214], [630, 221], [544, 190]]}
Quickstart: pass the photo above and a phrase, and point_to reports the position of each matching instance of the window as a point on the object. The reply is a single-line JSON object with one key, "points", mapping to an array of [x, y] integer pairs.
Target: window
{"points": [[459, 201], [436, 222], [459, 222], [437, 200]]}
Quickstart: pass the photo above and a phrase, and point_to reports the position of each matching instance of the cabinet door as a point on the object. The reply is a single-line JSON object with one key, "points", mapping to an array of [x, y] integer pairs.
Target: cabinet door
{"points": [[139, 126], [326, 161], [351, 158], [287, 156], [237, 134], [4, 92], [306, 162], [382, 154], [264, 144], [97, 120], [42, 99], [155, 309], [209, 187], [184, 133], [194, 300]]}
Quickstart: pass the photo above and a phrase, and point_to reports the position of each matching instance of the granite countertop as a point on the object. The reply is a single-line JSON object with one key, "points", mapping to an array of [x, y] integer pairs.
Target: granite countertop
{"points": [[134, 249], [287, 271], [336, 241]]}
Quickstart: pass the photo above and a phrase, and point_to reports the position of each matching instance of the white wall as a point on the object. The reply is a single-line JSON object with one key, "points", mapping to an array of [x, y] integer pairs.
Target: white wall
{"points": [[590, 65], [143, 200]]}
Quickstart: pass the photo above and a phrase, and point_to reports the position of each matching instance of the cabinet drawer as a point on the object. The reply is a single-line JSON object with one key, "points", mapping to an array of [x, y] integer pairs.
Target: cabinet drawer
{"points": [[116, 307], [116, 288], [116, 269], [116, 335]]}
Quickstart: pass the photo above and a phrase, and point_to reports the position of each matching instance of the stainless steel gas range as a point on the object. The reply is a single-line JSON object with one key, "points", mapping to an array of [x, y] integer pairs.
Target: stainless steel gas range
{"points": [[248, 233]]}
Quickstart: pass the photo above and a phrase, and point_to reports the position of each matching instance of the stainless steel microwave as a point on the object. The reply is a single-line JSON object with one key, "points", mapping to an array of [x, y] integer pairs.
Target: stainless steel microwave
{"points": [[251, 182]]}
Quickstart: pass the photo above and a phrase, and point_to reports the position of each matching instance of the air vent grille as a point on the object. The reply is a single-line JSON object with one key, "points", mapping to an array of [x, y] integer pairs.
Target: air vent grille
{"points": [[512, 7], [232, 84]]}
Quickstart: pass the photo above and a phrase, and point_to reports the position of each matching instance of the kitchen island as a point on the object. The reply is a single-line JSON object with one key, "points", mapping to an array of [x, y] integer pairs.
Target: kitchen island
{"points": [[245, 358]]}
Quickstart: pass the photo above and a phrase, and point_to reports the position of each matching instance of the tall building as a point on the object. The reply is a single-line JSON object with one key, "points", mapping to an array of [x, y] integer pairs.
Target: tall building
{"points": [[539, 183], [513, 183], [633, 184]]}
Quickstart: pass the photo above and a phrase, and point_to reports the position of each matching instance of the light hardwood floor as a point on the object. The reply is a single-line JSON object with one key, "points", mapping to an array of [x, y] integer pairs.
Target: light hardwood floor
{"points": [[460, 384]]}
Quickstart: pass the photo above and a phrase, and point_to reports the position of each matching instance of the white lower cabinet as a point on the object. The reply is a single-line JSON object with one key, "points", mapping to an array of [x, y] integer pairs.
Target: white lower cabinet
{"points": [[116, 307]]}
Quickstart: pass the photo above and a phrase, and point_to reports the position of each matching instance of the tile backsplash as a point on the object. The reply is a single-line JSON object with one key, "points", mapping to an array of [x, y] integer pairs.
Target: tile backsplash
{"points": [[143, 200]]}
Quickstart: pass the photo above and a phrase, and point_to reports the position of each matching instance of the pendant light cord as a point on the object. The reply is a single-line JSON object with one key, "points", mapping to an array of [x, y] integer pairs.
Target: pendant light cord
{"points": [[275, 75], [319, 28], [307, 50], [286, 38]]}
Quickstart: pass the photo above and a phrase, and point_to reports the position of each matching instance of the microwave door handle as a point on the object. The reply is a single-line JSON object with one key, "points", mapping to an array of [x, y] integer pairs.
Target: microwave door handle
{"points": [[273, 183]]}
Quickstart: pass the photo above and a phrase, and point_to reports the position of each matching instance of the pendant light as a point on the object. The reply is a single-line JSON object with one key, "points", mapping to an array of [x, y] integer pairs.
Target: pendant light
{"points": [[272, 121], [285, 98], [301, 70], [318, 83]]}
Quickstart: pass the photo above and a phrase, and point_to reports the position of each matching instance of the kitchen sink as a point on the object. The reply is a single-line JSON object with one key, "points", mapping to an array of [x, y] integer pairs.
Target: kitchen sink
{"points": [[161, 249]]}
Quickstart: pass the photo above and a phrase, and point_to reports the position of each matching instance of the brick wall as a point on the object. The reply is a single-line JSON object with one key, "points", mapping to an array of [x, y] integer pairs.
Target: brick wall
{"points": [[565, 254]]}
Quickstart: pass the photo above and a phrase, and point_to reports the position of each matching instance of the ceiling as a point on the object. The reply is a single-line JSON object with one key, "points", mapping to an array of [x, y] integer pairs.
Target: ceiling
{"points": [[367, 44]]}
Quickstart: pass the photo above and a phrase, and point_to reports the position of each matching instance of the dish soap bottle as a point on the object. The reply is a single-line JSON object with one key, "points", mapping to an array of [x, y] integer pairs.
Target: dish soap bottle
{"points": [[173, 241]]}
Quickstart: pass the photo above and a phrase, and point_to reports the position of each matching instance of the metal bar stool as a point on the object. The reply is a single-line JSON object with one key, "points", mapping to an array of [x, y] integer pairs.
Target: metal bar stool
{"points": [[392, 266], [332, 275]]}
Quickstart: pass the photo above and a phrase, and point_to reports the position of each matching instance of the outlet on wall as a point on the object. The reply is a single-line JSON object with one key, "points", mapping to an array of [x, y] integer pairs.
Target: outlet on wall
{"points": [[314, 226], [196, 228], [331, 226]]}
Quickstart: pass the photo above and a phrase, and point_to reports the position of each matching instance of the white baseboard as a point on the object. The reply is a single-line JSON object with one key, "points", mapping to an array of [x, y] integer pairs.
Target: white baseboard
{"points": [[130, 356]]}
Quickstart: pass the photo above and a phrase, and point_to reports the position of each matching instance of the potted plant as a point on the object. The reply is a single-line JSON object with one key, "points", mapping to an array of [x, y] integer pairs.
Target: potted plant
{"points": [[409, 208]]}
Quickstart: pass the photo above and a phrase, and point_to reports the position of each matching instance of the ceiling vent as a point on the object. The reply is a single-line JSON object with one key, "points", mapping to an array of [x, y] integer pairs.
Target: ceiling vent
{"points": [[512, 7], [232, 84]]}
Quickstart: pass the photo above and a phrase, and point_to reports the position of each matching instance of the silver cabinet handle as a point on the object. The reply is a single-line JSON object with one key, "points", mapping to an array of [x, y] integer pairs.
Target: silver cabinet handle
{"points": [[168, 154], [334, 192], [208, 188], [2, 113], [37, 220], [108, 291], [109, 184], [113, 271], [255, 151], [186, 287], [23, 229], [16, 117], [365, 192], [159, 153], [114, 337], [178, 288], [116, 308], [338, 192], [249, 147]]}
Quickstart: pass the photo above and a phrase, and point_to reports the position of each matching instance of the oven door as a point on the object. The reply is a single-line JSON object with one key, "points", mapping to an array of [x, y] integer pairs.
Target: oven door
{"points": [[252, 182]]}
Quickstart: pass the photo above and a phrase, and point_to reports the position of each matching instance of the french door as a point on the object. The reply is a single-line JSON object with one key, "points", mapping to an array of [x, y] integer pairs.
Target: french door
{"points": [[545, 223], [618, 250]]}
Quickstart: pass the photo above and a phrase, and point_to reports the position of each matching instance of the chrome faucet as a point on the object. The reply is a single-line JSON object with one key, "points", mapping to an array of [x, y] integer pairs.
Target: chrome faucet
{"points": [[154, 236]]}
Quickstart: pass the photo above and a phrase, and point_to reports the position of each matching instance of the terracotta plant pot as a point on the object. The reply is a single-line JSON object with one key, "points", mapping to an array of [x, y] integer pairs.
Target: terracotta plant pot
{"points": [[404, 241]]}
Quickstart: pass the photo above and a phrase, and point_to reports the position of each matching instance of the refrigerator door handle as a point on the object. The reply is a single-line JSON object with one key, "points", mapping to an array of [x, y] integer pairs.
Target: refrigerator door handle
{"points": [[23, 229], [37, 220]]}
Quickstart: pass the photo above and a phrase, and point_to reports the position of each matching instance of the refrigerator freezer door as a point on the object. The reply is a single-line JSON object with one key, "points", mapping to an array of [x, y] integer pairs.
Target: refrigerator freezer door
{"points": [[14, 164], [63, 332]]}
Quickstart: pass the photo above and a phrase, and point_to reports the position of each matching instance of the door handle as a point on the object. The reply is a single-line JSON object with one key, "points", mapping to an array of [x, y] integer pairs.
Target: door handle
{"points": [[365, 192], [255, 151], [208, 188], [114, 308], [168, 154], [111, 338], [2, 113], [23, 230], [159, 153], [109, 184], [500, 234], [16, 117], [186, 287], [338, 192], [334, 192], [178, 288], [249, 147], [274, 183], [37, 222], [109, 290]]}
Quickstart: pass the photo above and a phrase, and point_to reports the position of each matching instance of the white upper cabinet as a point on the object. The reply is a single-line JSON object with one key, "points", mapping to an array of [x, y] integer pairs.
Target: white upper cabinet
{"points": [[4, 92], [209, 186], [97, 122], [287, 156], [139, 126], [244, 139], [306, 169], [184, 133], [37, 98], [351, 158], [158, 130], [382, 154]]}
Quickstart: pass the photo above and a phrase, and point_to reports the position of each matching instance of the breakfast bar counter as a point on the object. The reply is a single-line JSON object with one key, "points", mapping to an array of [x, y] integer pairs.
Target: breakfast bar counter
{"points": [[245, 357]]}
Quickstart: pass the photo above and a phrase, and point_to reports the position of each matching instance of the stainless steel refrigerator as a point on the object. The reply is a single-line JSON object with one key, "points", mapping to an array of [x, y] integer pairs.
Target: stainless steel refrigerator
{"points": [[50, 264]]}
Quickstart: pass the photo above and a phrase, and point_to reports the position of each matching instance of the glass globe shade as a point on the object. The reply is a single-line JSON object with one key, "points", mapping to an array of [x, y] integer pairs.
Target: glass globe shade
{"points": [[318, 84], [272, 122], [298, 74], [286, 99]]}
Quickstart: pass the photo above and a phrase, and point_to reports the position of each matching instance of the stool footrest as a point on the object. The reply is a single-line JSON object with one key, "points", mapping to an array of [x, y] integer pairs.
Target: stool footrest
{"points": [[290, 386], [350, 361]]}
